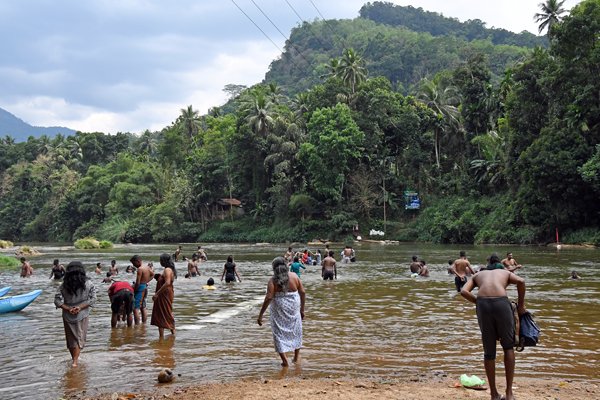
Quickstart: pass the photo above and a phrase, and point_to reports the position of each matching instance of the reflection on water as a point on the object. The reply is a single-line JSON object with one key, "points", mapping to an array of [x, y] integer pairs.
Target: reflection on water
{"points": [[163, 352], [373, 322], [75, 380]]}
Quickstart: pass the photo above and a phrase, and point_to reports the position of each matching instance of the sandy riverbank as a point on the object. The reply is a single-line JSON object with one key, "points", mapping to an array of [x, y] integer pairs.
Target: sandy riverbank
{"points": [[325, 389]]}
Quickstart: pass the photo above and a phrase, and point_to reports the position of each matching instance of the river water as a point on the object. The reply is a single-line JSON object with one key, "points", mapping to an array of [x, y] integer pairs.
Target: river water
{"points": [[375, 321]]}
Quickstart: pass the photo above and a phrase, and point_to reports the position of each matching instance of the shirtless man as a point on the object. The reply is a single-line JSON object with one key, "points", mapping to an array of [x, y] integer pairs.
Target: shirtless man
{"points": [[193, 266], [26, 269], [510, 263], [201, 254], [143, 276], [98, 269], [415, 265], [496, 319], [347, 254], [113, 268], [177, 253], [329, 268], [461, 268]]}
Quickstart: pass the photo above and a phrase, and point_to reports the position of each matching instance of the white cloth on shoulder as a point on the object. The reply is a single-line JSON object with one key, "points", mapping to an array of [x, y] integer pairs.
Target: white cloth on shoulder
{"points": [[286, 322]]}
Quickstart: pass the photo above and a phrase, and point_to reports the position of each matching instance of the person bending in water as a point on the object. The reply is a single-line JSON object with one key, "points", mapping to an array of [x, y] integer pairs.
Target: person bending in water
{"points": [[496, 319], [121, 298], [296, 266]]}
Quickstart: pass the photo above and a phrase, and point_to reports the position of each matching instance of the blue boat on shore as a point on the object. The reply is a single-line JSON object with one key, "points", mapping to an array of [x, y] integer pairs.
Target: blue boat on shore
{"points": [[4, 290], [19, 302]]}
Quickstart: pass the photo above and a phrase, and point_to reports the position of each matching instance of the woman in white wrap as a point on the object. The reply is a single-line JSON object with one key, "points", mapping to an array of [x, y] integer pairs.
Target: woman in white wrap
{"points": [[286, 295]]}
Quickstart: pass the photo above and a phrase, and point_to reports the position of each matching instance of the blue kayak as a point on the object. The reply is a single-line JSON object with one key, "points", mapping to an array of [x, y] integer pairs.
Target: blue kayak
{"points": [[4, 290], [19, 302]]}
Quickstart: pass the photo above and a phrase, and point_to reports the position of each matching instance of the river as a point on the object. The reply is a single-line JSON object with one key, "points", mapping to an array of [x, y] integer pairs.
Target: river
{"points": [[375, 321]]}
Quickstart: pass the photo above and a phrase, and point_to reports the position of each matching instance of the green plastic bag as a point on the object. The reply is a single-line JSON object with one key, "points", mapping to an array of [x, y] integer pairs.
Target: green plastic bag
{"points": [[470, 381]]}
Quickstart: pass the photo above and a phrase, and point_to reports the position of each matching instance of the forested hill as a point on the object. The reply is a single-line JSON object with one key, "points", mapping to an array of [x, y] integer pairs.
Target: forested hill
{"points": [[402, 55], [20, 130], [419, 20]]}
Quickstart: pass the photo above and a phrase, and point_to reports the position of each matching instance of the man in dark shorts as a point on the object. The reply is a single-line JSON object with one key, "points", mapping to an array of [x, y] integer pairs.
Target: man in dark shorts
{"points": [[495, 317], [329, 268], [461, 268], [121, 301]]}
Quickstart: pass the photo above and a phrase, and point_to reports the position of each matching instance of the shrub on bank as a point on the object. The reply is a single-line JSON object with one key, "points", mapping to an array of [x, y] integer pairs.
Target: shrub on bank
{"points": [[8, 263], [87, 243], [582, 236], [105, 244], [4, 244]]}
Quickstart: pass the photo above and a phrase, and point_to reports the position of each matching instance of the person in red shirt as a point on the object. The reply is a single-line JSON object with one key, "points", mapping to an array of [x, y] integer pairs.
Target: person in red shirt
{"points": [[121, 301]]}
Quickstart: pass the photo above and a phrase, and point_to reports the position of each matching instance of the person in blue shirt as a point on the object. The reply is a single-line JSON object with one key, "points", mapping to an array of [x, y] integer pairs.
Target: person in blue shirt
{"points": [[296, 265]]}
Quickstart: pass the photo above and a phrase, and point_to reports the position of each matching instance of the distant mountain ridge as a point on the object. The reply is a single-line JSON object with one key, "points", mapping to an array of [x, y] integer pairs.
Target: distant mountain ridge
{"points": [[12, 126]]}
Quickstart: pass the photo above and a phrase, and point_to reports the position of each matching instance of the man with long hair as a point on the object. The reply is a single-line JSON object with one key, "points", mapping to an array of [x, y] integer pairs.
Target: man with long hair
{"points": [[76, 295]]}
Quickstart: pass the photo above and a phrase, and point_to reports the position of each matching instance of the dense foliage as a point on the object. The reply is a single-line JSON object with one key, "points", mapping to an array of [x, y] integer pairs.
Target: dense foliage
{"points": [[499, 152]]}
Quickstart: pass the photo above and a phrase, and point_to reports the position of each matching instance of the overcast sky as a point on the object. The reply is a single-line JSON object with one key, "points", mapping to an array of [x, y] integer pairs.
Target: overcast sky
{"points": [[131, 65]]}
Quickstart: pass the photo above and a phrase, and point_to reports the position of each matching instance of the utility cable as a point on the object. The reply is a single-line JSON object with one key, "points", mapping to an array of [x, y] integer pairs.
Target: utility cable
{"points": [[282, 34]]}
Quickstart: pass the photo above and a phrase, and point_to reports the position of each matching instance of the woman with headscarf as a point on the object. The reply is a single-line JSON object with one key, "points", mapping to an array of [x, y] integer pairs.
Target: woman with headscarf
{"points": [[286, 295], [76, 295], [162, 309]]}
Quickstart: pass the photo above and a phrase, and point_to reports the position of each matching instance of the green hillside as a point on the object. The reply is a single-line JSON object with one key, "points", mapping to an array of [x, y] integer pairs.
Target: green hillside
{"points": [[404, 55]]}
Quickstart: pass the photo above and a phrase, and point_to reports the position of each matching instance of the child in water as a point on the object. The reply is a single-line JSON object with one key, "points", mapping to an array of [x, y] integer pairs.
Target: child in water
{"points": [[210, 284]]}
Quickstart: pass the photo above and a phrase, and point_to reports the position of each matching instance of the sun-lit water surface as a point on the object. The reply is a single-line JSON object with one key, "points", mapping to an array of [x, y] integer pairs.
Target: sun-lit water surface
{"points": [[374, 322]]}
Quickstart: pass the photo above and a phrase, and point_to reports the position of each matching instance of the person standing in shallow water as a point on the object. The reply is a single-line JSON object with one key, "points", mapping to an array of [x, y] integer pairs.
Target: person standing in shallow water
{"points": [[58, 270], [162, 310], [230, 271], [286, 296], [76, 296], [496, 318]]}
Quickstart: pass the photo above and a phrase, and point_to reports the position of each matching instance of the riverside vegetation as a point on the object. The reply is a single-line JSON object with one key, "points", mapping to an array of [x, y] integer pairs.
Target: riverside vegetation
{"points": [[499, 133]]}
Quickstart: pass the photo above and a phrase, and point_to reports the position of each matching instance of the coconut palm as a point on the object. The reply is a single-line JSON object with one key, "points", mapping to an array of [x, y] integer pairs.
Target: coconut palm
{"points": [[332, 69], [443, 100], [189, 121], [550, 15], [256, 109], [351, 69]]}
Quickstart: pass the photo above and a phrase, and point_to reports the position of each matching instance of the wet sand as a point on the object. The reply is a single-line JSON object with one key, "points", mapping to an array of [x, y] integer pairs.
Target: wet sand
{"points": [[422, 389]]}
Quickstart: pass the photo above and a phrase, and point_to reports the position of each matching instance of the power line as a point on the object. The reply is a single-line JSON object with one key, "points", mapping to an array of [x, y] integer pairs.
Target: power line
{"points": [[282, 34], [326, 22], [257, 27], [303, 20]]}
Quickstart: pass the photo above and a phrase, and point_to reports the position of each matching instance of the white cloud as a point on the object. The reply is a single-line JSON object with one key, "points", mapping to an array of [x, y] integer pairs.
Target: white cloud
{"points": [[103, 65]]}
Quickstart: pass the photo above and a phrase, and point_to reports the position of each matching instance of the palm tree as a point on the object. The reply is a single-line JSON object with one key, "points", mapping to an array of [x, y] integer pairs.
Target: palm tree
{"points": [[351, 69], [550, 15], [189, 121], [300, 106], [443, 100], [257, 112], [147, 143], [332, 69]]}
